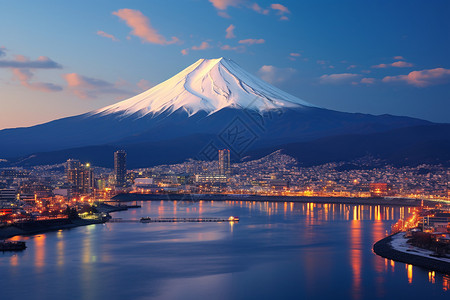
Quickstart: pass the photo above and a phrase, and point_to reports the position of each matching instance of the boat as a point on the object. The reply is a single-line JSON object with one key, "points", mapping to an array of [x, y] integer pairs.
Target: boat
{"points": [[12, 246], [233, 219], [146, 220]]}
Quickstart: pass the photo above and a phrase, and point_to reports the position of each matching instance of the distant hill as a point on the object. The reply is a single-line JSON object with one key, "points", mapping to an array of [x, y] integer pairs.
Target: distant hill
{"points": [[402, 147]]}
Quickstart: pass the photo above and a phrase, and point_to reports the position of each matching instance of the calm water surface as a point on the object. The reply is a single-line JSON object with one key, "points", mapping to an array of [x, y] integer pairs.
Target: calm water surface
{"points": [[276, 251]]}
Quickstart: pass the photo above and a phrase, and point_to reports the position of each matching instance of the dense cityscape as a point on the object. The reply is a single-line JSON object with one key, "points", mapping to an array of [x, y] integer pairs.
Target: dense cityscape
{"points": [[50, 191], [225, 149]]}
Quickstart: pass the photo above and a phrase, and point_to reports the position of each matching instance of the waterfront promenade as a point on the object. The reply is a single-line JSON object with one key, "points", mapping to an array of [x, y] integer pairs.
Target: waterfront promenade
{"points": [[129, 197], [395, 247]]}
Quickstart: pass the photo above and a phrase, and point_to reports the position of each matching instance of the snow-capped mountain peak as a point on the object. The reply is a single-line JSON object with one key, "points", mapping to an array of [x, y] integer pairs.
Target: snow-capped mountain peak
{"points": [[207, 85]]}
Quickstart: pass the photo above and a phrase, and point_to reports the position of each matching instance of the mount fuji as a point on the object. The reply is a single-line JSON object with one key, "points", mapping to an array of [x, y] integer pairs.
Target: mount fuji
{"points": [[212, 103], [208, 85]]}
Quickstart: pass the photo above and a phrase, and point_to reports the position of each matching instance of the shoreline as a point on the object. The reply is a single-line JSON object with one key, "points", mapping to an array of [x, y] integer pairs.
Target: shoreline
{"points": [[384, 249], [40, 227], [131, 197]]}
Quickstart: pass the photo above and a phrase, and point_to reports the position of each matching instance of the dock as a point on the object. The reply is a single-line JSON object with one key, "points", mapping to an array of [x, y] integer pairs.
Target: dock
{"points": [[174, 220]]}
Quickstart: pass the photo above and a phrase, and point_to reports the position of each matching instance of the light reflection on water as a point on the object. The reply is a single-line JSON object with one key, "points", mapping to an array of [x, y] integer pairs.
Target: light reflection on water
{"points": [[356, 255], [277, 250]]}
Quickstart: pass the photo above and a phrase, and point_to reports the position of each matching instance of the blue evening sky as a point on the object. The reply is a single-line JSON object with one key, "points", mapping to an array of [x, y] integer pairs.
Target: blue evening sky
{"points": [[62, 58]]}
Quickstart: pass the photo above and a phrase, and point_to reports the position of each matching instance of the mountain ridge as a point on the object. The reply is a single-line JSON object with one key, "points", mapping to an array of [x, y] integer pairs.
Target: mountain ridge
{"points": [[408, 146], [222, 97]]}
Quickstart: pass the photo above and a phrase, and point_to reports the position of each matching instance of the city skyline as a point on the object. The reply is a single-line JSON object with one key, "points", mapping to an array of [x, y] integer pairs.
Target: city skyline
{"points": [[398, 66], [217, 149]]}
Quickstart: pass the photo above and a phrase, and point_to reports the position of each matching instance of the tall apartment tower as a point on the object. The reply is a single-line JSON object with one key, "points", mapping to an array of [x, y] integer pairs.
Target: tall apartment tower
{"points": [[224, 162], [79, 177], [72, 164], [120, 167]]}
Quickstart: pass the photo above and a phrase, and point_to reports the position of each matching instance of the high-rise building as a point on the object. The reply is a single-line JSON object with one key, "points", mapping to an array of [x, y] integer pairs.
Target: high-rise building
{"points": [[224, 162], [72, 164], [79, 177], [120, 167]]}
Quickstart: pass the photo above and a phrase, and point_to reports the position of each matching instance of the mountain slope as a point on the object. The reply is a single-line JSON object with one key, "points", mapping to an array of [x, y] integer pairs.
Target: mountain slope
{"points": [[207, 85], [207, 98]]}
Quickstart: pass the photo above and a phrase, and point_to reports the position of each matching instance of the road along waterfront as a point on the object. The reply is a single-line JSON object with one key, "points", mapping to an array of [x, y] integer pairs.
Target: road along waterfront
{"points": [[277, 250]]}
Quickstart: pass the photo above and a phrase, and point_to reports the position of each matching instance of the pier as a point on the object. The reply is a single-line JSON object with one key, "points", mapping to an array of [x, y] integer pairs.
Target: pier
{"points": [[174, 220]]}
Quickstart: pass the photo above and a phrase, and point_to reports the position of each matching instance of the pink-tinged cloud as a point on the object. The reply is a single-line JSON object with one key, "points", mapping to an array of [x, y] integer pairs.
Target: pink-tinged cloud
{"points": [[223, 14], [402, 64], [223, 4], [273, 75], [202, 46], [144, 84], [399, 57], [73, 79], [380, 66], [21, 58], [422, 78], [281, 8], [397, 64], [294, 56], [24, 76], [227, 47], [342, 78], [252, 41], [185, 51], [86, 87], [281, 11], [230, 32], [259, 9], [142, 28], [107, 35], [367, 80]]}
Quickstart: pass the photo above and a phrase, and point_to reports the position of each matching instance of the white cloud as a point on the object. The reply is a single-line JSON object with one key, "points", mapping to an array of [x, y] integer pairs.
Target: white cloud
{"points": [[252, 41], [342, 78], [272, 74]]}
